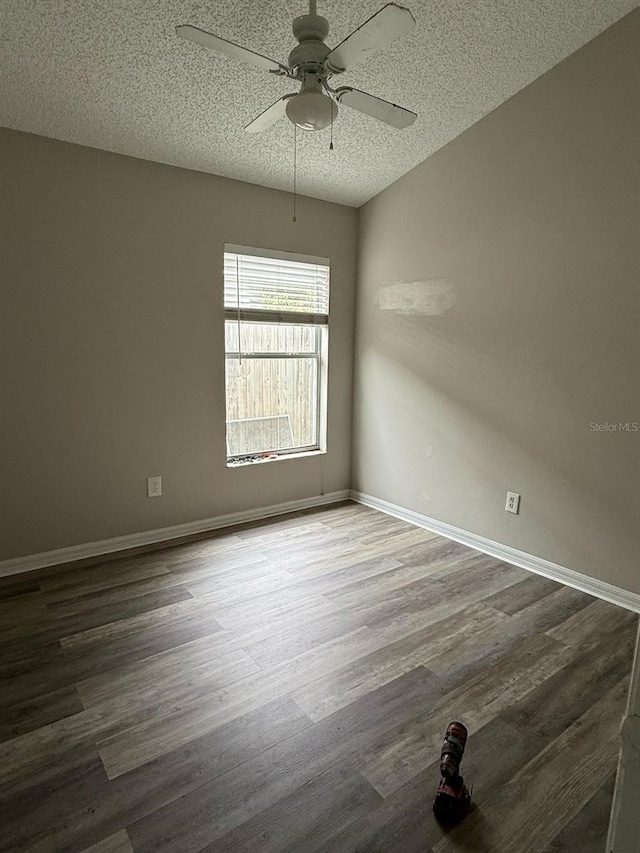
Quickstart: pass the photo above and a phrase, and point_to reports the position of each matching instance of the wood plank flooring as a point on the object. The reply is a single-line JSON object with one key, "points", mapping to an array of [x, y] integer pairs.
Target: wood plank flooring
{"points": [[286, 687]]}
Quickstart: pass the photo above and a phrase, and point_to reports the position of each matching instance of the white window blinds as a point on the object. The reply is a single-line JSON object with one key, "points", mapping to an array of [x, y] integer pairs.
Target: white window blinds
{"points": [[253, 283]]}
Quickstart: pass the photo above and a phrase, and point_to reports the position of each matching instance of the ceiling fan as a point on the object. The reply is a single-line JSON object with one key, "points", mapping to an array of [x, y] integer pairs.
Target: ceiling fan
{"points": [[312, 63]]}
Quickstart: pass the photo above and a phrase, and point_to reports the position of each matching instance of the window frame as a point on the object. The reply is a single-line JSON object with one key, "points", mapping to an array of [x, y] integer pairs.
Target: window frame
{"points": [[319, 355]]}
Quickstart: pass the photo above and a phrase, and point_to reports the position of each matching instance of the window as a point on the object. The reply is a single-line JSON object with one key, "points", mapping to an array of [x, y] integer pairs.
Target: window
{"points": [[276, 341]]}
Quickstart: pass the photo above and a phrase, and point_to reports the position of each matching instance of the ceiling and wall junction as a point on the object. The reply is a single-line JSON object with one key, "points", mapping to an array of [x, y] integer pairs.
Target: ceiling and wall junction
{"points": [[115, 76]]}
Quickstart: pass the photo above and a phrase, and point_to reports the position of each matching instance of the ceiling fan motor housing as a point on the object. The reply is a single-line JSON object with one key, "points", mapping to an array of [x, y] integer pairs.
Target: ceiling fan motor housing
{"points": [[308, 27], [310, 53]]}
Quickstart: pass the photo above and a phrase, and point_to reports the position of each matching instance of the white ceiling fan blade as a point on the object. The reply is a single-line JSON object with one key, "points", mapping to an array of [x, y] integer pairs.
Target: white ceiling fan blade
{"points": [[375, 107], [269, 116], [186, 31], [391, 22]]}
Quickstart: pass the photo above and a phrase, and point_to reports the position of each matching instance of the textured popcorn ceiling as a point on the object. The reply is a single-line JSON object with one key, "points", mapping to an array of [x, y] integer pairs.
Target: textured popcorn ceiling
{"points": [[112, 74]]}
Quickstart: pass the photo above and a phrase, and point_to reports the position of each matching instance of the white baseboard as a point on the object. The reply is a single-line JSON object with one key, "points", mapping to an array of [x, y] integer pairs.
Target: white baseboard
{"points": [[163, 534], [569, 577]]}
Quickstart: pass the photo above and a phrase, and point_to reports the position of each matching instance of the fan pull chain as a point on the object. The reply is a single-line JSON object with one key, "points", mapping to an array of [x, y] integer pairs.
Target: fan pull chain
{"points": [[295, 168], [331, 143], [238, 304]]}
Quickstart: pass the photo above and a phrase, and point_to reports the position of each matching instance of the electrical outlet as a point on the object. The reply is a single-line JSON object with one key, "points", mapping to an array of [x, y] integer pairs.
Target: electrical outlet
{"points": [[513, 503], [154, 487]]}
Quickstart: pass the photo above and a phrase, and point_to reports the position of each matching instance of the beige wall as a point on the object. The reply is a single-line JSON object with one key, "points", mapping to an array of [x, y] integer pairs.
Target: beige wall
{"points": [[112, 343], [532, 218]]}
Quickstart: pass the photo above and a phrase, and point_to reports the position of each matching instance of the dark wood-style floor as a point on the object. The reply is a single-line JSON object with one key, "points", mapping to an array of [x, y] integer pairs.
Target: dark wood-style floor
{"points": [[286, 687]]}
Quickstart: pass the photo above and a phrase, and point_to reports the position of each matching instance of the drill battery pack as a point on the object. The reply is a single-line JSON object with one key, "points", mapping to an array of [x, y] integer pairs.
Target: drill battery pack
{"points": [[452, 801]]}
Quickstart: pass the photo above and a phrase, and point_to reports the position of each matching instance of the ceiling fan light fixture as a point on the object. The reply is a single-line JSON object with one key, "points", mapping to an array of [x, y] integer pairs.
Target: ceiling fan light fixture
{"points": [[311, 110], [312, 63]]}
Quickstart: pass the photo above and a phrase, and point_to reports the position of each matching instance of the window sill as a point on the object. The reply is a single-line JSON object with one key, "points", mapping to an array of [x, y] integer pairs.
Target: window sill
{"points": [[275, 457]]}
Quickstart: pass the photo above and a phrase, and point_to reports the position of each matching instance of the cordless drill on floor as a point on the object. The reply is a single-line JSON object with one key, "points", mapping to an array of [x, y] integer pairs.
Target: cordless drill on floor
{"points": [[453, 799]]}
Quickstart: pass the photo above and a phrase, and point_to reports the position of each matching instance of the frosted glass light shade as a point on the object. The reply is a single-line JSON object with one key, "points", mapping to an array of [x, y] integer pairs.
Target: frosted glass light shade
{"points": [[311, 110]]}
